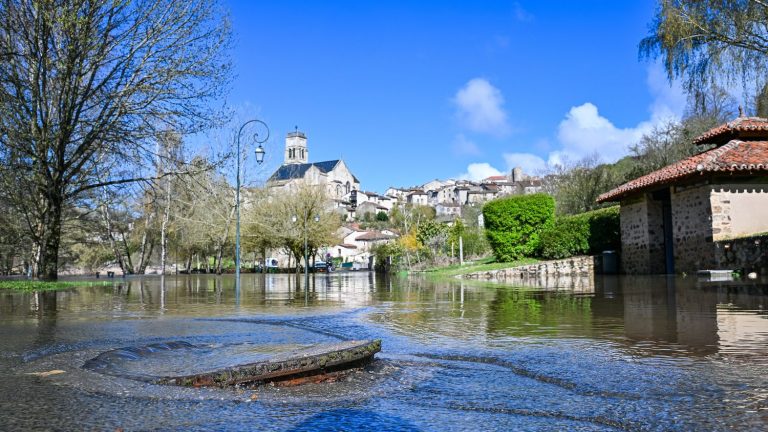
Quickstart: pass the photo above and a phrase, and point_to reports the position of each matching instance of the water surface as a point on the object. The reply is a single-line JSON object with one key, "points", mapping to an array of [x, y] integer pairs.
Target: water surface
{"points": [[615, 353]]}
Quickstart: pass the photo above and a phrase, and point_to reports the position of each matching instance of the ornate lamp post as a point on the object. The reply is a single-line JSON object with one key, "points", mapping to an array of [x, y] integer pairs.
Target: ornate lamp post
{"points": [[259, 159], [295, 219]]}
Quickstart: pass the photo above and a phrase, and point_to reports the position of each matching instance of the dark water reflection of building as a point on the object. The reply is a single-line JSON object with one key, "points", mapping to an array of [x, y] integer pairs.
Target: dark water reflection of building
{"points": [[657, 310]]}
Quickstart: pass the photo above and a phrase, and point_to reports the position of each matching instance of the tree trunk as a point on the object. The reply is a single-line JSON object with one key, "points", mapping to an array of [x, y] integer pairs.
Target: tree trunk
{"points": [[145, 250], [127, 260], [164, 227], [112, 242], [50, 236], [219, 254]]}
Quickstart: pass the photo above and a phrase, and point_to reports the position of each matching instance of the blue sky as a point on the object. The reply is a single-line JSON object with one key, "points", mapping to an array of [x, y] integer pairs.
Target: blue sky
{"points": [[406, 92]]}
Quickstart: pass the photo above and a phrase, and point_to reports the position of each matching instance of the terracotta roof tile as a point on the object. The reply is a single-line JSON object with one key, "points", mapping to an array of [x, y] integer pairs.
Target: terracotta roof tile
{"points": [[738, 128], [736, 156]]}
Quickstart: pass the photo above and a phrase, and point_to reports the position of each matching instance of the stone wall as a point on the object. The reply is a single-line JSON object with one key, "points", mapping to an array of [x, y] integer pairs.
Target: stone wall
{"points": [[575, 273], [642, 236], [580, 265], [748, 254], [692, 228]]}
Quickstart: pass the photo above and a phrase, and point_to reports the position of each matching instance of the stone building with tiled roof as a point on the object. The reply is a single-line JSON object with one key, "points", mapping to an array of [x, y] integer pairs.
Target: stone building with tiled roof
{"points": [[693, 214], [334, 175]]}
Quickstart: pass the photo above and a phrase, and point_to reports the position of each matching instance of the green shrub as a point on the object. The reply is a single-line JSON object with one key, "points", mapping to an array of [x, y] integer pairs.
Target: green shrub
{"points": [[388, 256], [586, 233], [604, 230], [568, 236], [513, 224]]}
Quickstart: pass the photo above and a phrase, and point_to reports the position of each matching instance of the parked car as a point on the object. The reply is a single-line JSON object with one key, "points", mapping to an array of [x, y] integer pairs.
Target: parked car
{"points": [[322, 267]]}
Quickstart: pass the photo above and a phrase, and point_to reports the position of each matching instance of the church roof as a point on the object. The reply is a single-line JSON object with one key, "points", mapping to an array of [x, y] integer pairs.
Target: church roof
{"points": [[296, 171]]}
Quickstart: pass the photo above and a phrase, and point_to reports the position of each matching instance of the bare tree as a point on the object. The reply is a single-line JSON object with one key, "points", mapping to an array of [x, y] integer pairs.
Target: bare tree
{"points": [[576, 186], [86, 86]]}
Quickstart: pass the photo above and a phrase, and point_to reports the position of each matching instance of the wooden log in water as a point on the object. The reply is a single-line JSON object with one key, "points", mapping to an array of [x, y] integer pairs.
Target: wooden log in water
{"points": [[314, 361]]}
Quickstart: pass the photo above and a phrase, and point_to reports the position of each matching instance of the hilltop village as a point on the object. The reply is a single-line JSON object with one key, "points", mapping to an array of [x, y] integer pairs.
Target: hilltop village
{"points": [[449, 198]]}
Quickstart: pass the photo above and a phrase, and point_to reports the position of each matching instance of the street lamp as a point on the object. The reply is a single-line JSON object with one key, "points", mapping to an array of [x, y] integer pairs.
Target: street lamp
{"points": [[295, 219], [259, 159]]}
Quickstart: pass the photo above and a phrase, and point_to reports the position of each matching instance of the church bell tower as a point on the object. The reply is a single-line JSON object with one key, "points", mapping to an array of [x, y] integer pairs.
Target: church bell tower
{"points": [[296, 148]]}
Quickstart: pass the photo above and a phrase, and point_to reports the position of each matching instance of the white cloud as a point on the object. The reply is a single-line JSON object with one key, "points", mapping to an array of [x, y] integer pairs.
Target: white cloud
{"points": [[530, 163], [479, 171], [585, 132], [463, 146], [480, 108]]}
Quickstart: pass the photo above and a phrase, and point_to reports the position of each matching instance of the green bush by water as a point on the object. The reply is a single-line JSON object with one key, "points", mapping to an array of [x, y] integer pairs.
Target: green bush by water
{"points": [[586, 233], [513, 224]]}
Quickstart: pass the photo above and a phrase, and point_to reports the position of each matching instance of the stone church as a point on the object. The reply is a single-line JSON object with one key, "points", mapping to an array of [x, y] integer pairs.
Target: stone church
{"points": [[334, 175]]}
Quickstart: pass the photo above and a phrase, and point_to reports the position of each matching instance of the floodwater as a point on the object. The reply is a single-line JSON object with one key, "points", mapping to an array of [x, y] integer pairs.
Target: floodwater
{"points": [[655, 353]]}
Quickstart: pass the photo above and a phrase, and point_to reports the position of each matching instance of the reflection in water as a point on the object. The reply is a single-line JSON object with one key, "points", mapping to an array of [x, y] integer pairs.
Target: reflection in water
{"points": [[596, 353], [653, 314]]}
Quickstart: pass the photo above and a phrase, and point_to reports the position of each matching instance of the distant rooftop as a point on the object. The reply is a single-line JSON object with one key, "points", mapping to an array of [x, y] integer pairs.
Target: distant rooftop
{"points": [[296, 134]]}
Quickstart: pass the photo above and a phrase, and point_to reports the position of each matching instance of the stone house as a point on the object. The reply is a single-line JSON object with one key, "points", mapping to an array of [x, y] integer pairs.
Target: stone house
{"points": [[356, 243], [485, 192], [690, 215], [396, 193], [370, 207], [448, 209], [530, 186], [385, 202], [417, 197], [507, 188], [460, 194], [436, 185]]}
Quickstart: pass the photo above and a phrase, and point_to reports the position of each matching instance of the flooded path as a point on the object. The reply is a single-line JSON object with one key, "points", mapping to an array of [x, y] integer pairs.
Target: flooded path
{"points": [[629, 354]]}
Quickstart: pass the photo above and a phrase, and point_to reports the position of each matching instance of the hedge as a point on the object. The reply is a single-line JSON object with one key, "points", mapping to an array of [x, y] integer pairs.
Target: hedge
{"points": [[586, 233], [513, 224]]}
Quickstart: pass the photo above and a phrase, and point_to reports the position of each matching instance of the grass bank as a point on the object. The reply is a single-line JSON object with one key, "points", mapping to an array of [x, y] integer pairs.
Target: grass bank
{"points": [[33, 285], [484, 264]]}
